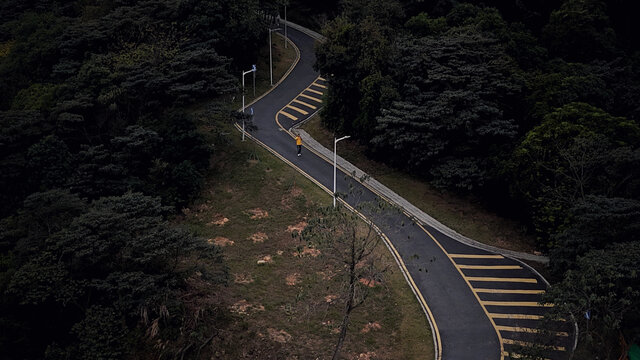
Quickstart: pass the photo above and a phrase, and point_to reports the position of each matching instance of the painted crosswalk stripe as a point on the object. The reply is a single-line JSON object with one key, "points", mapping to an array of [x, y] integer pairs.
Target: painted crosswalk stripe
{"points": [[318, 85], [516, 303], [311, 97], [305, 104], [515, 316], [508, 291], [500, 279], [490, 267], [297, 109], [527, 330], [314, 91], [528, 344], [288, 115], [474, 256]]}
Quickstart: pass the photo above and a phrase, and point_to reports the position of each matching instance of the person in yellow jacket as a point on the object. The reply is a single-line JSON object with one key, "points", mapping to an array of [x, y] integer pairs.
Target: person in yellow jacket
{"points": [[299, 144]]}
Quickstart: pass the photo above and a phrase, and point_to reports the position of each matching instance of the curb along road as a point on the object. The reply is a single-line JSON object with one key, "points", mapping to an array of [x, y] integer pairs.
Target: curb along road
{"points": [[481, 304]]}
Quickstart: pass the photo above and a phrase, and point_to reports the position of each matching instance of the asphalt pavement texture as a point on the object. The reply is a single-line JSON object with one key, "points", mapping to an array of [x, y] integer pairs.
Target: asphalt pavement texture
{"points": [[484, 305]]}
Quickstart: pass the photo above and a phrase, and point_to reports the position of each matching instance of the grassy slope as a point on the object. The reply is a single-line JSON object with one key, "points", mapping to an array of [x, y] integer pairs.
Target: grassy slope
{"points": [[244, 177], [465, 215]]}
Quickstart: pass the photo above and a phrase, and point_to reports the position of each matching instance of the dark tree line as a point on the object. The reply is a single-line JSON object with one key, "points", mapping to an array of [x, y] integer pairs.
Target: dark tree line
{"points": [[532, 105], [97, 151]]}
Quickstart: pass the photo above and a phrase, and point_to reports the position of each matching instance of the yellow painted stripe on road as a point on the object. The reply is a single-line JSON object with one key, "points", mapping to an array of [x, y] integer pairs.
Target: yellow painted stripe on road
{"points": [[528, 330], [516, 303], [311, 97], [472, 256], [315, 91], [528, 344], [288, 115], [517, 356], [318, 85], [304, 103], [490, 267], [516, 316], [297, 109], [500, 279], [321, 78], [508, 291]]}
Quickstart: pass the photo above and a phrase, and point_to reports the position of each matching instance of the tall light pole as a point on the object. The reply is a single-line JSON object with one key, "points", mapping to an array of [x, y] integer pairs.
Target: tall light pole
{"points": [[285, 26], [335, 142], [253, 70], [270, 57]]}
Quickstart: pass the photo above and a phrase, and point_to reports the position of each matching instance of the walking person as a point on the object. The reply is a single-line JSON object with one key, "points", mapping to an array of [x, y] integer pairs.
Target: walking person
{"points": [[299, 144]]}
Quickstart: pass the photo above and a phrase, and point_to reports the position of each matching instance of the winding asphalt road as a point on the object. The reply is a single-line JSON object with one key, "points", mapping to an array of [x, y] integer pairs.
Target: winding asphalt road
{"points": [[480, 305]]}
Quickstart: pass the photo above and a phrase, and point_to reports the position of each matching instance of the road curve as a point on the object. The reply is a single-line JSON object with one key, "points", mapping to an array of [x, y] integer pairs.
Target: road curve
{"points": [[481, 305]]}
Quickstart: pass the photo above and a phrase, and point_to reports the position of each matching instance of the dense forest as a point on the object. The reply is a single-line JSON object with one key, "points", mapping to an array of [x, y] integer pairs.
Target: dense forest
{"points": [[534, 106], [97, 152]]}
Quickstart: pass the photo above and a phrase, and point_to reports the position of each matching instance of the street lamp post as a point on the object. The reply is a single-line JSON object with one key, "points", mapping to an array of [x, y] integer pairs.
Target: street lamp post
{"points": [[270, 57], [335, 142], [253, 70]]}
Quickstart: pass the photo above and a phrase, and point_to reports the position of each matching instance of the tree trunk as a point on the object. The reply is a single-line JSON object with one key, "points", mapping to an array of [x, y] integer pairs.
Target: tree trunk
{"points": [[343, 331]]}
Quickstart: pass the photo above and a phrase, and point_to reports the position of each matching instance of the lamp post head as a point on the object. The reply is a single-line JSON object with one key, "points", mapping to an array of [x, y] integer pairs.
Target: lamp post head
{"points": [[253, 68]]}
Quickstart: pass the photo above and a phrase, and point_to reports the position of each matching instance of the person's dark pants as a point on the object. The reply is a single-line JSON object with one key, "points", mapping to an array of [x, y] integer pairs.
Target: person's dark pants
{"points": [[299, 149]]}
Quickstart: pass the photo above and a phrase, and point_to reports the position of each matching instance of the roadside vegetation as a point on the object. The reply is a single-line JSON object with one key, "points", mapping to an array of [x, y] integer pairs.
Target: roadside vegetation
{"points": [[530, 109]]}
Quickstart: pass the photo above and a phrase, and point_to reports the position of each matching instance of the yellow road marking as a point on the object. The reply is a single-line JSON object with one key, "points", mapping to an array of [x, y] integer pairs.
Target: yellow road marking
{"points": [[499, 279], [315, 91], [527, 330], [515, 316], [471, 256], [469, 285], [528, 344], [508, 291], [288, 115], [311, 97], [297, 109], [516, 356], [490, 267], [321, 78], [304, 103], [516, 303], [318, 85]]}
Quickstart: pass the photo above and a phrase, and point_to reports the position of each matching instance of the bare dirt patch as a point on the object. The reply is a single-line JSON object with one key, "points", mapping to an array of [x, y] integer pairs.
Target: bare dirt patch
{"points": [[297, 227], [369, 282], [221, 241], [243, 278], [369, 355], [293, 279], [218, 220], [259, 237], [371, 326], [258, 213], [243, 307], [313, 252], [279, 336], [330, 298]]}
